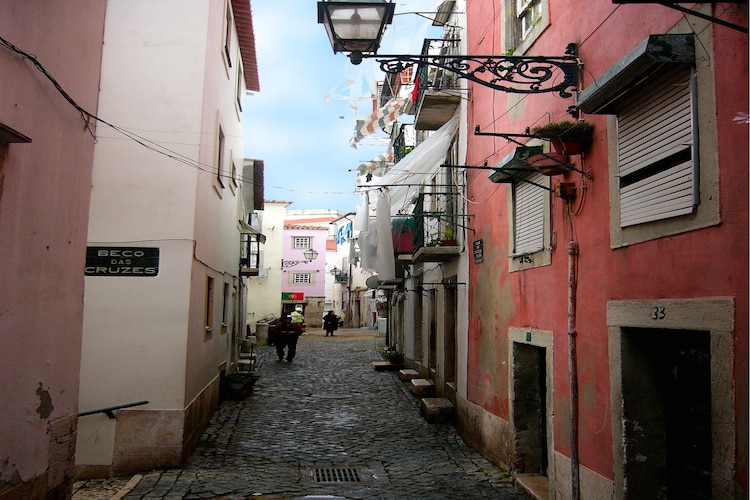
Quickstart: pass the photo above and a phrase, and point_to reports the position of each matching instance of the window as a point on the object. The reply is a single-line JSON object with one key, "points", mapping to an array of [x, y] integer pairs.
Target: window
{"points": [[220, 157], [301, 278], [240, 88], [234, 174], [663, 174], [225, 308], [301, 242], [528, 215], [228, 34], [523, 22], [528, 13], [209, 309], [655, 150], [529, 209]]}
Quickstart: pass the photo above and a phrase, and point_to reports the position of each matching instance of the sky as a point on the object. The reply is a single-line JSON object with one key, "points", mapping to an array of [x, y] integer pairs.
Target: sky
{"points": [[301, 121]]}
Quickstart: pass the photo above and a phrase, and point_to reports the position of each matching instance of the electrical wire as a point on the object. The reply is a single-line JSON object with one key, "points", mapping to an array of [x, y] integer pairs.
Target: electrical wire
{"points": [[87, 116]]}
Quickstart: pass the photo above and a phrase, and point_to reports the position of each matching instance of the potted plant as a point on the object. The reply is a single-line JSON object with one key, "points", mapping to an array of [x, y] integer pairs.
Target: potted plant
{"points": [[392, 355], [567, 137], [448, 239], [240, 380]]}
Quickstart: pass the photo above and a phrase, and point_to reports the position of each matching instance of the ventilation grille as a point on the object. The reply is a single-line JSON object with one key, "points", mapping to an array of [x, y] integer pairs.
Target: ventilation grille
{"points": [[336, 475]]}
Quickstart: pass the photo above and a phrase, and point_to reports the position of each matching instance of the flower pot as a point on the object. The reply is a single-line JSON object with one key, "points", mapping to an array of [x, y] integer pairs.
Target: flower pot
{"points": [[549, 164], [448, 243], [236, 386], [569, 146]]}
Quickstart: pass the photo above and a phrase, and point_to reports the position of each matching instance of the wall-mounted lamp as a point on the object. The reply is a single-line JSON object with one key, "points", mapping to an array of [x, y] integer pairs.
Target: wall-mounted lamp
{"points": [[310, 254], [358, 27]]}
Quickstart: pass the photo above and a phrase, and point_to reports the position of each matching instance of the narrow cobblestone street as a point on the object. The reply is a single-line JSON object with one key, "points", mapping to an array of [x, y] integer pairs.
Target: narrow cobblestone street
{"points": [[329, 409]]}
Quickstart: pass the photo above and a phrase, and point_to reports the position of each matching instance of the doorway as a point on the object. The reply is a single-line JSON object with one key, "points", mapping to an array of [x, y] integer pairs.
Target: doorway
{"points": [[666, 395], [449, 330], [432, 330], [530, 410]]}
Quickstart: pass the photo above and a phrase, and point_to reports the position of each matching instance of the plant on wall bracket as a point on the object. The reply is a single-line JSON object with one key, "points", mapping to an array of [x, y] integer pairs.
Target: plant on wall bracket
{"points": [[566, 137]]}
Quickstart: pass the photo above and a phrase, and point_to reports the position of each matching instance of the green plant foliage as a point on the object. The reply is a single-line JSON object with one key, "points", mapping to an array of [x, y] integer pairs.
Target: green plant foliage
{"points": [[242, 377], [565, 128]]}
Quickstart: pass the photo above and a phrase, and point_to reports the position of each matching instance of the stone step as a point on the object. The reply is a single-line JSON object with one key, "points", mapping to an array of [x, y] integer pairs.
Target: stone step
{"points": [[386, 366], [407, 374], [436, 410], [422, 386]]}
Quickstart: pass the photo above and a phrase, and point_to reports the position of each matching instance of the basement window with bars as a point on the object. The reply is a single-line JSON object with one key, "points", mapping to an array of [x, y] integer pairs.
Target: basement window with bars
{"points": [[657, 158], [301, 279], [301, 242]]}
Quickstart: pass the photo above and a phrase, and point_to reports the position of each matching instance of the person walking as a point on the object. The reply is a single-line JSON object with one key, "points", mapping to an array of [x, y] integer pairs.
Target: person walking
{"points": [[330, 323], [287, 337], [298, 318]]}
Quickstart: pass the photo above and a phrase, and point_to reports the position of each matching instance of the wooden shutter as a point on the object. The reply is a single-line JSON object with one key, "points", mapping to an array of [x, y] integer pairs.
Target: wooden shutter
{"points": [[529, 214], [656, 160]]}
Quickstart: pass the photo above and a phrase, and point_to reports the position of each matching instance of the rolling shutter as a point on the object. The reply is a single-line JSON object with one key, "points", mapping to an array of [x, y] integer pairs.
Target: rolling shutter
{"points": [[529, 214], [656, 159]]}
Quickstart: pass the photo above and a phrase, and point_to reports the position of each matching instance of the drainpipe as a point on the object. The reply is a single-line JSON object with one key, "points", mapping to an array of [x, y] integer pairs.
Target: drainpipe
{"points": [[573, 366]]}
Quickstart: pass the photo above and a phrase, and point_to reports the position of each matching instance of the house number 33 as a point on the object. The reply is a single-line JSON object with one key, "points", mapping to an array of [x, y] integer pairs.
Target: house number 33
{"points": [[658, 313]]}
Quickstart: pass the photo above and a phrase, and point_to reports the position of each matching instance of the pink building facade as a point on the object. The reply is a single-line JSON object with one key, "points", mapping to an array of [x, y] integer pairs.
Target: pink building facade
{"points": [[608, 318], [303, 276], [46, 154]]}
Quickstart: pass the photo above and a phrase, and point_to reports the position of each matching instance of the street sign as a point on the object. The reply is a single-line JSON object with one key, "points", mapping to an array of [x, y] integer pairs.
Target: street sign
{"points": [[122, 261]]}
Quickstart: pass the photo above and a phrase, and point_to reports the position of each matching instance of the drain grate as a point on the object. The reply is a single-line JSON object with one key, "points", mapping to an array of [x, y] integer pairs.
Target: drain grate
{"points": [[336, 475]]}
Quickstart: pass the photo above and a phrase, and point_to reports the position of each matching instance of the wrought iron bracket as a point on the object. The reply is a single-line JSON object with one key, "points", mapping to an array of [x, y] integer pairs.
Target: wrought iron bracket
{"points": [[511, 138], [514, 74], [292, 263]]}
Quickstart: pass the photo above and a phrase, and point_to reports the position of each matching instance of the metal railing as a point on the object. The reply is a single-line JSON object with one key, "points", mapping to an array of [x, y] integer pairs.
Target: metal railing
{"points": [[111, 409]]}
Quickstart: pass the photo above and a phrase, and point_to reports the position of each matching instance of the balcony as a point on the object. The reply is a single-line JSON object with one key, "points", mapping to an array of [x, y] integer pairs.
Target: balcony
{"points": [[251, 242], [439, 92], [430, 234]]}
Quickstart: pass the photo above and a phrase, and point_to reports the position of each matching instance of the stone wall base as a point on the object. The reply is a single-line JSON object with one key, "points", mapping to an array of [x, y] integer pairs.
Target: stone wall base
{"points": [[56, 483]]}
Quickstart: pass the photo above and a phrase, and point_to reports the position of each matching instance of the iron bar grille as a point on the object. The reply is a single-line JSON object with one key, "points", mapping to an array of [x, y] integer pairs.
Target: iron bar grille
{"points": [[336, 475]]}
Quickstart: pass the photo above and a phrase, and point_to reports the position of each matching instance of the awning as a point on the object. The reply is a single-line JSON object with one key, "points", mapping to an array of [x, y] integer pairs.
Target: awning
{"points": [[245, 228], [507, 169], [601, 96], [416, 168]]}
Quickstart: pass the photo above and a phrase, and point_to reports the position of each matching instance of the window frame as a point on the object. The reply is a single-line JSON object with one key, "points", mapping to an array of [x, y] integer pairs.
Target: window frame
{"points": [[293, 278], [228, 32], [529, 258], [706, 212], [307, 246], [240, 88], [208, 317], [220, 156], [516, 41], [226, 301]]}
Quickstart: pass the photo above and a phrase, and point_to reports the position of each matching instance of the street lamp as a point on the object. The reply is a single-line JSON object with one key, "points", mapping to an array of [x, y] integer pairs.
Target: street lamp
{"points": [[358, 27], [310, 254], [355, 27]]}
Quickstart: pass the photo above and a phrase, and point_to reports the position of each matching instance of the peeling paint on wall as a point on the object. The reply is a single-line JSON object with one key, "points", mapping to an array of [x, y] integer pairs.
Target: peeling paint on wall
{"points": [[45, 402]]}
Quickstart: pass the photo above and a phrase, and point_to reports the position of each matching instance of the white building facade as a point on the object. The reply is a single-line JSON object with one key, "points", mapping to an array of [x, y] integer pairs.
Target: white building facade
{"points": [[164, 234]]}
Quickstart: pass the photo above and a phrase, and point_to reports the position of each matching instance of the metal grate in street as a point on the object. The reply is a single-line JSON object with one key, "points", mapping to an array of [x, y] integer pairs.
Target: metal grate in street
{"points": [[336, 475]]}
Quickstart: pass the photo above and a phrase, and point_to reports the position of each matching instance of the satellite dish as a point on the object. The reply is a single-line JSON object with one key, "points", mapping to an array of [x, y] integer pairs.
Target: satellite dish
{"points": [[372, 282]]}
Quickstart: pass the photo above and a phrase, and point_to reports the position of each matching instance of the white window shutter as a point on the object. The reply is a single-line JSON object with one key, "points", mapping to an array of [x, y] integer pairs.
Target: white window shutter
{"points": [[656, 123], [529, 215]]}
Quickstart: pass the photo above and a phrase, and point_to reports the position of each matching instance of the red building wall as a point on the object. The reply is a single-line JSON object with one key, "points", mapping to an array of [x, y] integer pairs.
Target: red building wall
{"points": [[706, 262]]}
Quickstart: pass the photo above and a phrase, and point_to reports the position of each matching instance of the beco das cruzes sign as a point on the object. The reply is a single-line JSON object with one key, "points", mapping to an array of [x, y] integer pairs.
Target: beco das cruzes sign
{"points": [[122, 261]]}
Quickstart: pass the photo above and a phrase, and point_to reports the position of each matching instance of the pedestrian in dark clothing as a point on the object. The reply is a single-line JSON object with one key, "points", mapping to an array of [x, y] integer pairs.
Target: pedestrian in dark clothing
{"points": [[287, 337], [330, 323]]}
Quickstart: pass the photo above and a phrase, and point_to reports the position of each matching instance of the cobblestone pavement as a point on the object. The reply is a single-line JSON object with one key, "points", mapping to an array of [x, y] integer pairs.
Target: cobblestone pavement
{"points": [[329, 409]]}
